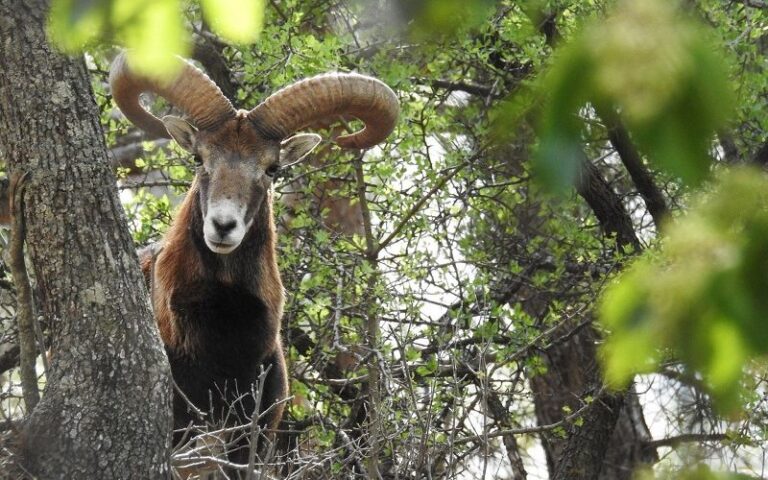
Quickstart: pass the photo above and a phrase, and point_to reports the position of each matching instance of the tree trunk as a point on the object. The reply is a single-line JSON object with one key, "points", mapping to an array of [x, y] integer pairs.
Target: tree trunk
{"points": [[105, 410], [611, 442]]}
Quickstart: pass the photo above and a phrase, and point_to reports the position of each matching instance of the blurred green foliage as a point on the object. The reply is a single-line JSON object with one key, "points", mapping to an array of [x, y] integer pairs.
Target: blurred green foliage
{"points": [[152, 30], [239, 21], [701, 297], [655, 65], [698, 472], [440, 18]]}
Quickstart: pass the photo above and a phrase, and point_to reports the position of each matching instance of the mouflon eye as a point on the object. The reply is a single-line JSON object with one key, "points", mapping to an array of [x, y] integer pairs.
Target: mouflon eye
{"points": [[272, 170], [198, 160]]}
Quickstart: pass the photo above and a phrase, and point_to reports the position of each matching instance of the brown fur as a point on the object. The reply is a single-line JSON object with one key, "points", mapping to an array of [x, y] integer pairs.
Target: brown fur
{"points": [[181, 271], [176, 265]]}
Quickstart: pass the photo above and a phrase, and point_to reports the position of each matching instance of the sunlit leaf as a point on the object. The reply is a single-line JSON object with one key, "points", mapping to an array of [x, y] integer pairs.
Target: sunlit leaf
{"points": [[729, 354], [153, 31], [239, 21], [701, 297], [75, 23], [627, 354], [558, 159], [443, 17]]}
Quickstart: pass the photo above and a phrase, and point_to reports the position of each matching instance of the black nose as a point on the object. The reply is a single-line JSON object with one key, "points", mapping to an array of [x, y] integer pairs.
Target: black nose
{"points": [[224, 227]]}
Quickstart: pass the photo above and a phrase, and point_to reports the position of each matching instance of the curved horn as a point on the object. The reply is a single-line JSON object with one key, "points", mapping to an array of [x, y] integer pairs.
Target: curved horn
{"points": [[298, 105], [192, 92]]}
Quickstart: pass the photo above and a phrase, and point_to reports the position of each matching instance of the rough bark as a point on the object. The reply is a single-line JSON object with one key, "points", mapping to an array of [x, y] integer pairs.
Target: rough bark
{"points": [[584, 453], [24, 311], [572, 373], [612, 441], [105, 410], [606, 206], [501, 416]]}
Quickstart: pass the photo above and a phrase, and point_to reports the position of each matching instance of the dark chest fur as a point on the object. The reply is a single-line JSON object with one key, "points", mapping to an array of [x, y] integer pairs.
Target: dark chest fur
{"points": [[226, 326], [230, 338]]}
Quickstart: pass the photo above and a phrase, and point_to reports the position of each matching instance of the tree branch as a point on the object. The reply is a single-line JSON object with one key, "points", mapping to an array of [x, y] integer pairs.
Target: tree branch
{"points": [[756, 3], [24, 307], [420, 204], [483, 91], [582, 457], [124, 156], [528, 430], [502, 418], [210, 56], [607, 206], [630, 157]]}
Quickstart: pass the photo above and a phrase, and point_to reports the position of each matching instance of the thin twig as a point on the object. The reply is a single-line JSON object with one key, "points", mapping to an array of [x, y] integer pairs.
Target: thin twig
{"points": [[255, 427], [371, 325], [526, 430], [420, 204], [279, 11], [154, 183], [191, 406], [685, 438], [371, 249]]}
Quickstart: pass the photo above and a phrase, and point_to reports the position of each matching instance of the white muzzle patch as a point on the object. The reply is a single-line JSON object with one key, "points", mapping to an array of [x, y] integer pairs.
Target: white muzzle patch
{"points": [[224, 228]]}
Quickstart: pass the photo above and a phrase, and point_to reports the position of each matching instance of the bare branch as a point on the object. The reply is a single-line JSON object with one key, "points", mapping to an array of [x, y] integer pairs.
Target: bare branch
{"points": [[756, 3], [527, 430], [420, 204], [483, 91], [687, 438]]}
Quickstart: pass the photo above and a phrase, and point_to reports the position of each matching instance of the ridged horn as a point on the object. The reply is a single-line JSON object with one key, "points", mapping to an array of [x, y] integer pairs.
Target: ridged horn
{"points": [[302, 103], [191, 91]]}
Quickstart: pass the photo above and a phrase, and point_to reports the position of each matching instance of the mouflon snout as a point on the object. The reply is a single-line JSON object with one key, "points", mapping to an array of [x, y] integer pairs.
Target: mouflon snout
{"points": [[224, 226]]}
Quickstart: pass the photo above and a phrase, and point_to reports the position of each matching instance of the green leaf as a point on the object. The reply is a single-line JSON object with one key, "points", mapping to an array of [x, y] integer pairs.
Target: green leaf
{"points": [[152, 30], [239, 21], [431, 18], [701, 297], [74, 23]]}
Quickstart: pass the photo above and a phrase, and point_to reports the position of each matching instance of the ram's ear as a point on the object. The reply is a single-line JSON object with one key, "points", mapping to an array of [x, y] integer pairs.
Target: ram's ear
{"points": [[294, 149], [181, 131]]}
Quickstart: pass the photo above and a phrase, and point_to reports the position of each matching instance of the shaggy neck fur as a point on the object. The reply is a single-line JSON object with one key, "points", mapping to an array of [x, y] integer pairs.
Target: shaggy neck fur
{"points": [[219, 317], [186, 264]]}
